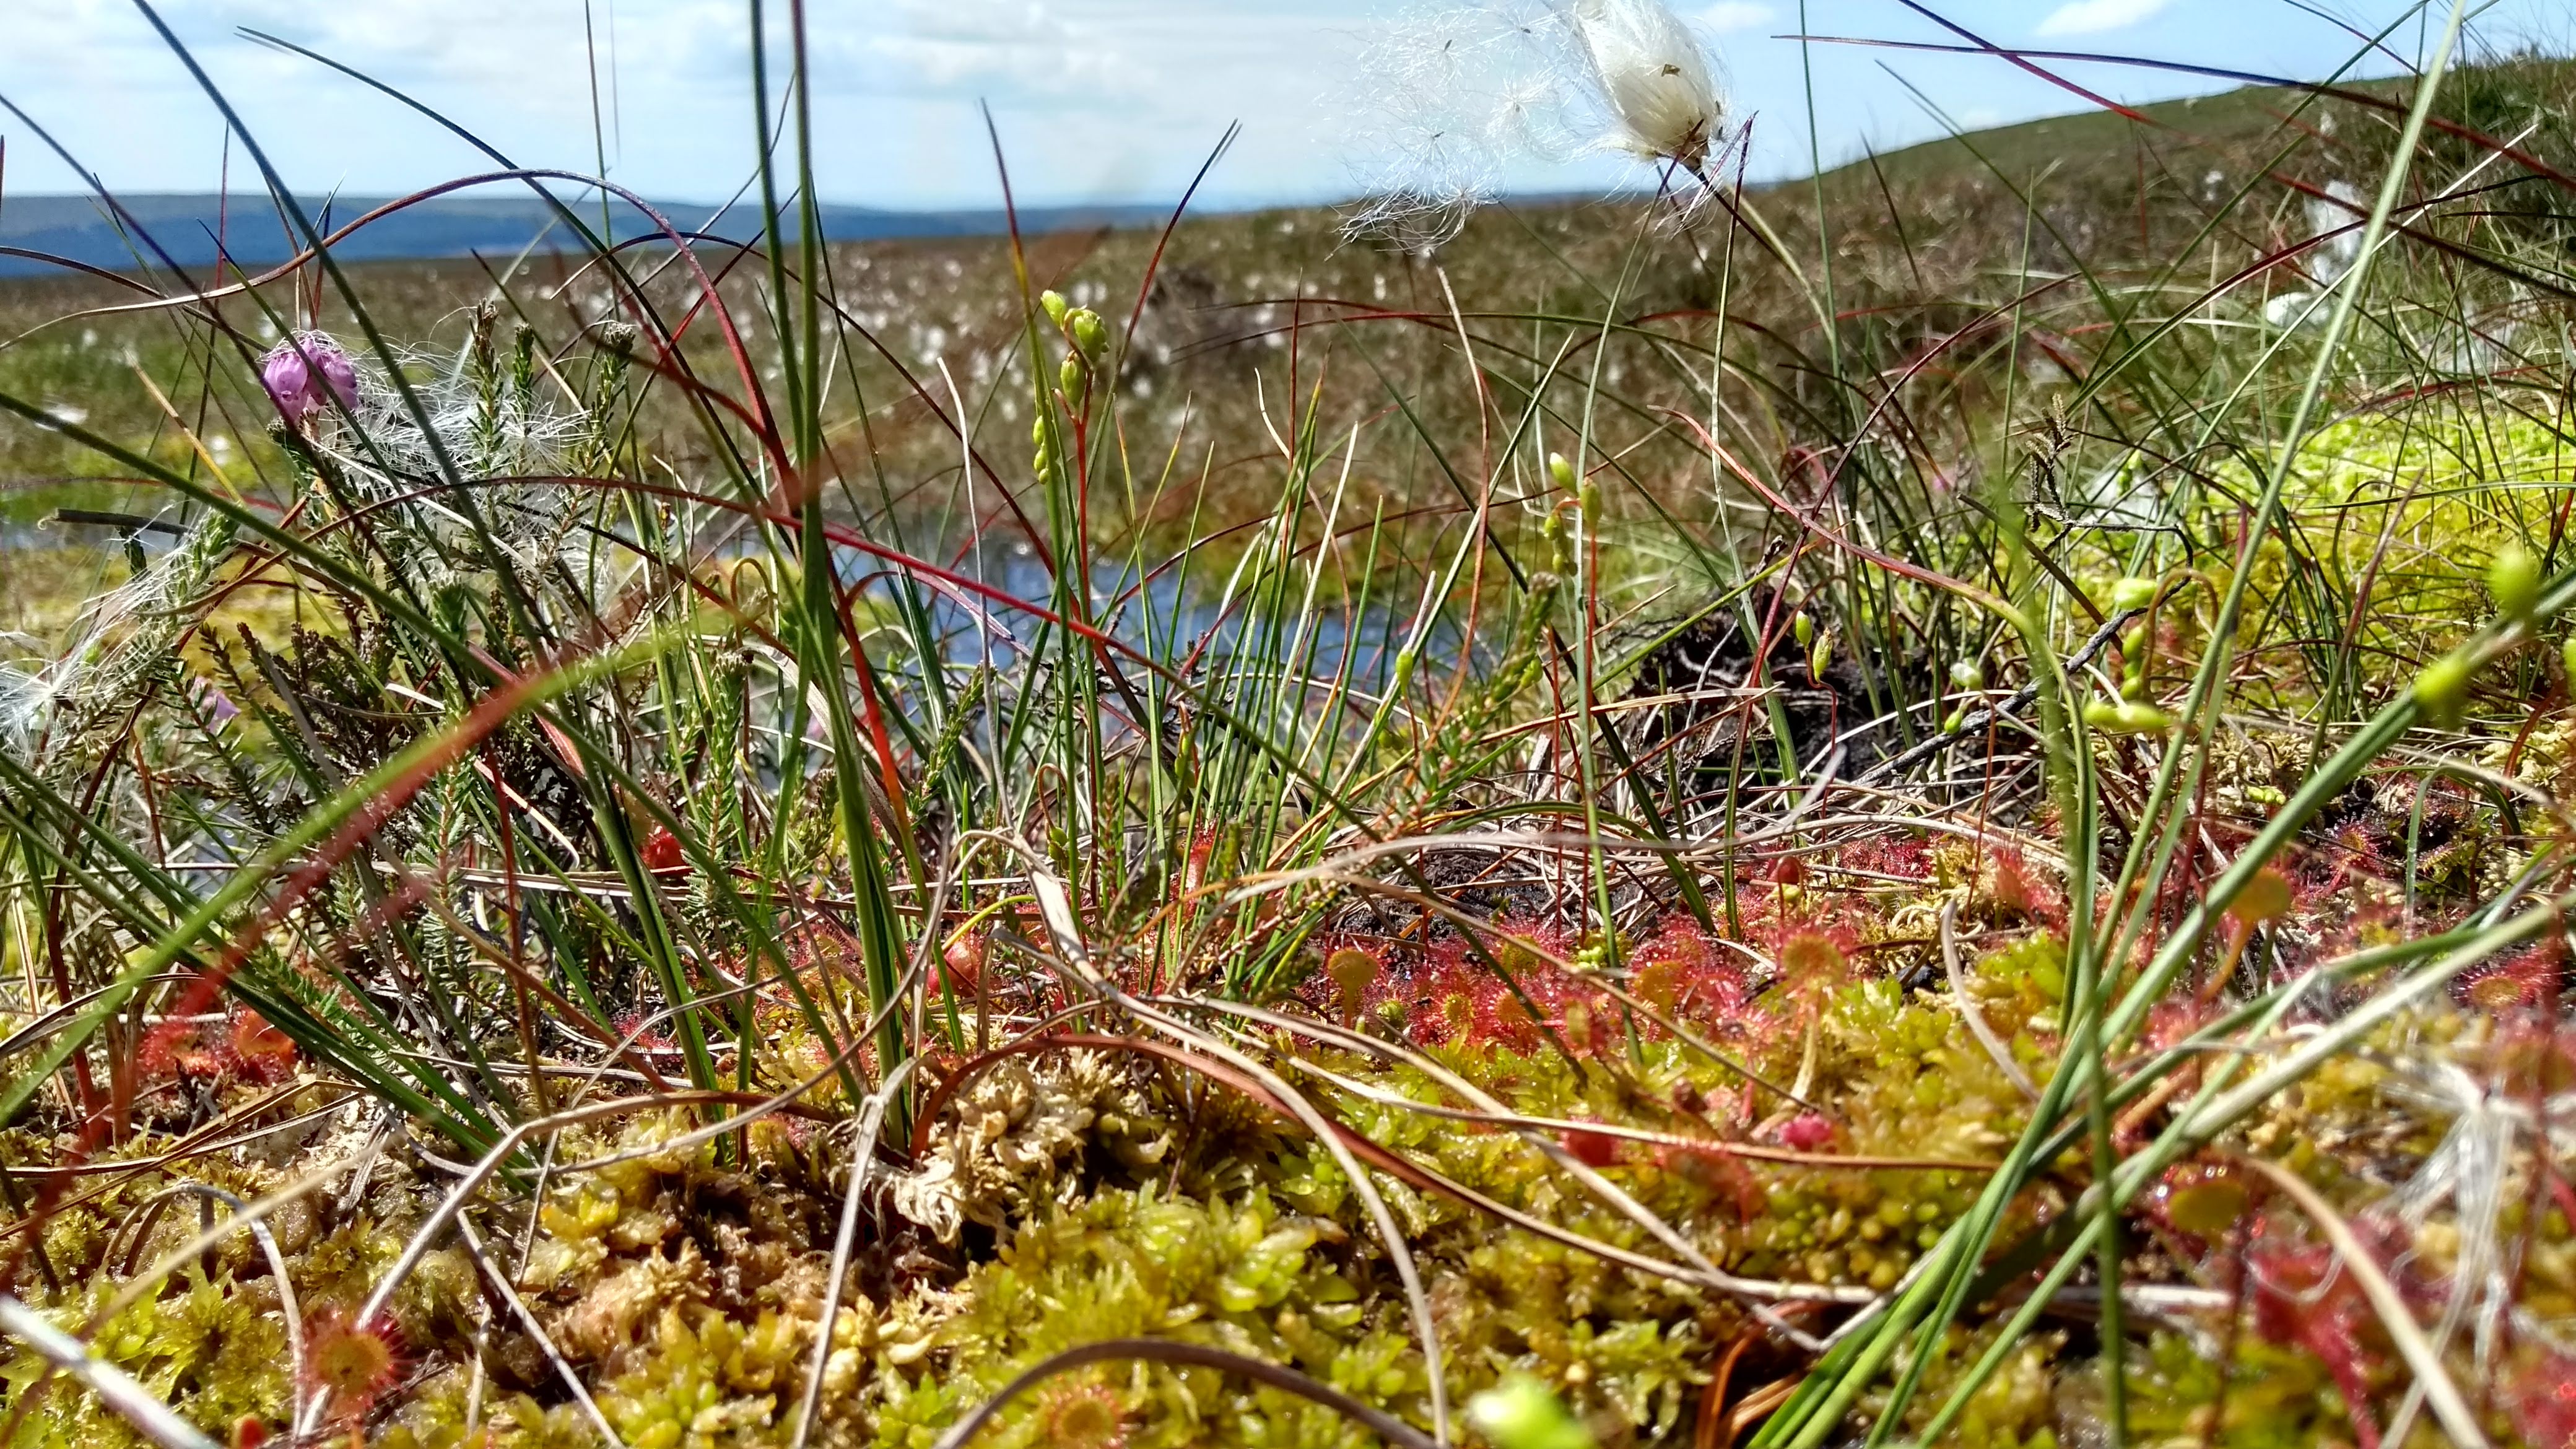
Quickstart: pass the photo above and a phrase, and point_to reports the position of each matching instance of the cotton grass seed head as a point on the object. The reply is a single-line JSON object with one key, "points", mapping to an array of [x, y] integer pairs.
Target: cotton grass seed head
{"points": [[1654, 78], [1454, 96]]}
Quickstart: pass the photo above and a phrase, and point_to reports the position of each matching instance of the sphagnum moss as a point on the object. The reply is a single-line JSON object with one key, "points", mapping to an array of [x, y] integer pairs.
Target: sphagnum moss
{"points": [[682, 1285]]}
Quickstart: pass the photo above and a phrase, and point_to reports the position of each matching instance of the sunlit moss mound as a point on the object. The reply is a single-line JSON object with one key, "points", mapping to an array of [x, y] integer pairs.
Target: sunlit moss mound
{"points": [[1805, 1108], [682, 1290], [2377, 562]]}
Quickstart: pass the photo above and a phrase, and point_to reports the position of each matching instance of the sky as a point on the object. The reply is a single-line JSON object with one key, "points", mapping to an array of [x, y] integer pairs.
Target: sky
{"points": [[1094, 100]]}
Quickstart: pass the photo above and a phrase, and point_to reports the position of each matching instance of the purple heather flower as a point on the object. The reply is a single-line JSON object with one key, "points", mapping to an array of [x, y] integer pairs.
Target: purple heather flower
{"points": [[296, 371]]}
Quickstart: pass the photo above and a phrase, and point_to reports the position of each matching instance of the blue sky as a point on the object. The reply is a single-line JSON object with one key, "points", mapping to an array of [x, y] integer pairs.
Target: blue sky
{"points": [[1097, 100]]}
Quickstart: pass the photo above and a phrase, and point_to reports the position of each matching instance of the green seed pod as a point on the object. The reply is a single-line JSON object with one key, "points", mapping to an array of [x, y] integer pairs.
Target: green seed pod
{"points": [[2132, 593], [2128, 717], [1957, 721], [1523, 1413], [2142, 718], [1804, 629], [1964, 674], [2568, 657], [2513, 576], [1075, 378], [2442, 690], [1088, 333], [1054, 303], [1560, 471]]}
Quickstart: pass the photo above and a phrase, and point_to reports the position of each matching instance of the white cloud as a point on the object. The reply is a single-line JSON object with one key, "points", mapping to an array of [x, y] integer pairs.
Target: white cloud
{"points": [[1728, 16], [975, 49], [2089, 17]]}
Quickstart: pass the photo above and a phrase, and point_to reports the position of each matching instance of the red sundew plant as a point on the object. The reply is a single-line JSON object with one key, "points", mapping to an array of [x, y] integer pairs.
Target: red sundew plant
{"points": [[2532, 1058], [245, 1049], [2171, 1021], [630, 1025], [1906, 859], [2200, 1201], [175, 1049], [1201, 674], [1812, 954], [1202, 849], [1504, 1017], [1592, 1149], [1439, 997], [1814, 963], [2523, 982], [2542, 1400], [353, 1363], [1355, 972], [1807, 1132], [259, 1051], [1084, 1415], [2303, 1297], [1455, 997], [1685, 974], [1722, 1174], [2017, 890]]}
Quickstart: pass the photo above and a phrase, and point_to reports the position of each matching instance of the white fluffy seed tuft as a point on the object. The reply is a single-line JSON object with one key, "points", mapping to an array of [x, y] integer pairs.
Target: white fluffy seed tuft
{"points": [[1455, 95], [1653, 76]]}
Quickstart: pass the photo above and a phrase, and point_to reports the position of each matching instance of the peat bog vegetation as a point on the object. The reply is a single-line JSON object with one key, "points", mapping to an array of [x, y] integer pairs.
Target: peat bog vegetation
{"points": [[1928, 807]]}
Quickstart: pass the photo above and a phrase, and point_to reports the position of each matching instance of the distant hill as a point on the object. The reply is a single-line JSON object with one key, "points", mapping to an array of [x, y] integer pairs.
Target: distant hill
{"points": [[255, 235], [2110, 160]]}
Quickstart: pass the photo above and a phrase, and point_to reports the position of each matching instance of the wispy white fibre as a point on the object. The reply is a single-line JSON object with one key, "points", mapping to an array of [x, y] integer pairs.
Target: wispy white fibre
{"points": [[1455, 92], [2468, 1172], [2335, 219], [121, 638]]}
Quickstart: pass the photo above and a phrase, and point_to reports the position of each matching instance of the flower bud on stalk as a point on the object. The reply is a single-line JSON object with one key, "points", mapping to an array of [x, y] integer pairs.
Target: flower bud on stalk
{"points": [[2132, 593], [2128, 717], [1088, 333], [2513, 577], [303, 372], [2443, 689]]}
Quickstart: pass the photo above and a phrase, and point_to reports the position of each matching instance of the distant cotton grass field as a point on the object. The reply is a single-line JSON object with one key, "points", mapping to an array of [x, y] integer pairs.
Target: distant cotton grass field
{"points": [[1927, 808]]}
